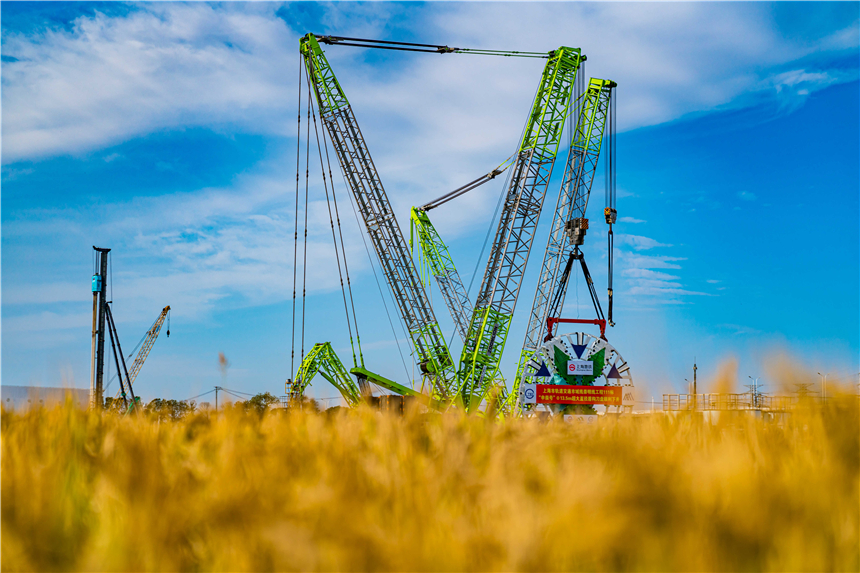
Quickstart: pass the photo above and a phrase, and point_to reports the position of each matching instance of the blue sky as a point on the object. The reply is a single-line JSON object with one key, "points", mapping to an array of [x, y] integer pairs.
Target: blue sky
{"points": [[167, 132]]}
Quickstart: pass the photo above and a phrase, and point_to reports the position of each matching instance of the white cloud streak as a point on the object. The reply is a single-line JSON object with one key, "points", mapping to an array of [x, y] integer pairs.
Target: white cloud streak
{"points": [[234, 67], [161, 67]]}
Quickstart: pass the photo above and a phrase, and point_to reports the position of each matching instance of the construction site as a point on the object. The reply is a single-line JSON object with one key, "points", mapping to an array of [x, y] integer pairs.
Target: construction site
{"points": [[558, 372], [566, 366]]}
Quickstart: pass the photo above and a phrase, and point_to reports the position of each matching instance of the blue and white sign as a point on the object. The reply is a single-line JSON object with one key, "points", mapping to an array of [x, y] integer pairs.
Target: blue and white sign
{"points": [[529, 393], [580, 368]]}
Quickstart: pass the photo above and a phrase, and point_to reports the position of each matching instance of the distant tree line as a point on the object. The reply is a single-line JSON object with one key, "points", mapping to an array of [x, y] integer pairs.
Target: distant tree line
{"points": [[177, 409]]}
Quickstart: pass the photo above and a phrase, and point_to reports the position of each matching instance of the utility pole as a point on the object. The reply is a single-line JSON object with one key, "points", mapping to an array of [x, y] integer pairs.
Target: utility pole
{"points": [[97, 355], [695, 389], [216, 397], [823, 387]]}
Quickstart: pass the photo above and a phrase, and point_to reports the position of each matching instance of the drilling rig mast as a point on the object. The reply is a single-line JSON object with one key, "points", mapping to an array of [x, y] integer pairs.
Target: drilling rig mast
{"points": [[97, 357]]}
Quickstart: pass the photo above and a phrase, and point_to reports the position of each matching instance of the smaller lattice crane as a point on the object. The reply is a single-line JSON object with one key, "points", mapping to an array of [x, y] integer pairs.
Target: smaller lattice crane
{"points": [[145, 346]]}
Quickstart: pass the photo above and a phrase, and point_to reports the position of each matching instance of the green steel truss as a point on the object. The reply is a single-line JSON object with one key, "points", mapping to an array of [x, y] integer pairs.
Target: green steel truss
{"points": [[494, 306], [322, 360], [428, 344], [572, 202], [366, 376], [435, 259]]}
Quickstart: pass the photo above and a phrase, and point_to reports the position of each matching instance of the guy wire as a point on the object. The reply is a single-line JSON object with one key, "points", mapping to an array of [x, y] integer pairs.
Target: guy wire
{"points": [[333, 236], [376, 278], [343, 250], [296, 232], [305, 246]]}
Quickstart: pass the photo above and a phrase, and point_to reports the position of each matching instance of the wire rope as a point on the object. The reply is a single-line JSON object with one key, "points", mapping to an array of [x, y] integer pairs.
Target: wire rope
{"points": [[232, 394], [199, 395], [236, 391], [146, 334], [499, 204], [305, 244], [376, 278], [296, 232], [609, 183], [430, 48], [333, 235], [343, 249]]}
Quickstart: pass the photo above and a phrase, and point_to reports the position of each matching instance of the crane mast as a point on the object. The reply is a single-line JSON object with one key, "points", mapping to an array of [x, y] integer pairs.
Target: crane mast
{"points": [[496, 300], [435, 257], [427, 341], [569, 224]]}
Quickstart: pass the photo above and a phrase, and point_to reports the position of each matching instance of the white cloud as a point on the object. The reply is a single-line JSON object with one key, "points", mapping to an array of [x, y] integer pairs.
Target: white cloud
{"points": [[192, 251], [235, 66], [163, 66], [747, 195], [642, 285], [638, 242], [631, 220]]}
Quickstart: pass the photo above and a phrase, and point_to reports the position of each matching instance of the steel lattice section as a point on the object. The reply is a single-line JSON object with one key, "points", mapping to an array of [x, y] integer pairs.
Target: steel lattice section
{"points": [[435, 254], [372, 202], [500, 286], [578, 177], [323, 360]]}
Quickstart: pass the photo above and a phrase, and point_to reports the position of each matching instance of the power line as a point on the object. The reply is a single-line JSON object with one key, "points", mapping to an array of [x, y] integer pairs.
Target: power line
{"points": [[195, 397]]}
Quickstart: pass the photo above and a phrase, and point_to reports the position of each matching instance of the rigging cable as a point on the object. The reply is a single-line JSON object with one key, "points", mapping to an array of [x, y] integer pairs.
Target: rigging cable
{"points": [[147, 333], [343, 250], [104, 305], [198, 396], [114, 340], [296, 233], [498, 206], [378, 285], [305, 246], [431, 48], [610, 211], [469, 186], [334, 236], [236, 391]]}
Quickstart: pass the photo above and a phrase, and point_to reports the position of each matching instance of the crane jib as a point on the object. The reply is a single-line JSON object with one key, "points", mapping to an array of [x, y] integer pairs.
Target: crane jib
{"points": [[496, 301]]}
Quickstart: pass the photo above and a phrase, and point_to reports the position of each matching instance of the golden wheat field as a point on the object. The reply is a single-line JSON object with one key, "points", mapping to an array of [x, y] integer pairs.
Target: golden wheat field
{"points": [[360, 490]]}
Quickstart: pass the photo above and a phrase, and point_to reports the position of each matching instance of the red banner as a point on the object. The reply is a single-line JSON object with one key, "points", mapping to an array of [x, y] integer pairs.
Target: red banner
{"points": [[554, 394]]}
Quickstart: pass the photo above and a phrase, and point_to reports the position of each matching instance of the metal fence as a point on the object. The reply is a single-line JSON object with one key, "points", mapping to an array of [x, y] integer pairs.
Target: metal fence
{"points": [[723, 401]]}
